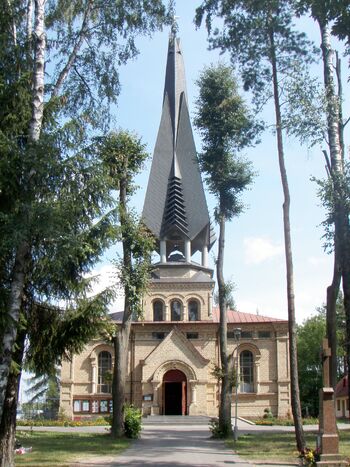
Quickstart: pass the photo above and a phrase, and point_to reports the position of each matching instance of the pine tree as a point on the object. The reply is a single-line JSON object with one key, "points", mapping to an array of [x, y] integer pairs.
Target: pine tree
{"points": [[226, 128], [262, 41]]}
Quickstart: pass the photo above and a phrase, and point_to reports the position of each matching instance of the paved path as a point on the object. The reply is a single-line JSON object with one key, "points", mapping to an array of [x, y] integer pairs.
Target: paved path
{"points": [[172, 446], [173, 443]]}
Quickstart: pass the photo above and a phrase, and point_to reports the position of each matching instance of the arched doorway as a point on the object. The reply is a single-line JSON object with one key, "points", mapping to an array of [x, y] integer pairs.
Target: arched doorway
{"points": [[174, 393]]}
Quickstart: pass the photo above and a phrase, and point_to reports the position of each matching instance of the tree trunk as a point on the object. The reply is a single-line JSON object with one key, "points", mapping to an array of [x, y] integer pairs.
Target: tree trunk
{"points": [[295, 393], [23, 251], [341, 215], [39, 70], [225, 424], [121, 340], [10, 332], [121, 345], [332, 295], [29, 20], [8, 420], [8, 423]]}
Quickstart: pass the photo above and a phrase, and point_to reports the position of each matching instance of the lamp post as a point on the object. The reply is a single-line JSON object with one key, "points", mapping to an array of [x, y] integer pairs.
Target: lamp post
{"points": [[237, 335]]}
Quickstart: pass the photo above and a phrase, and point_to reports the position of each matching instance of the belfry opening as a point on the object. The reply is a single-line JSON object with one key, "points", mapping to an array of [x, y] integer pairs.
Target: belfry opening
{"points": [[174, 347], [174, 393]]}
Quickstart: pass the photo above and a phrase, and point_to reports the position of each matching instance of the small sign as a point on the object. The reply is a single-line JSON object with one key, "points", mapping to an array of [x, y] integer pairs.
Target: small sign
{"points": [[148, 397]]}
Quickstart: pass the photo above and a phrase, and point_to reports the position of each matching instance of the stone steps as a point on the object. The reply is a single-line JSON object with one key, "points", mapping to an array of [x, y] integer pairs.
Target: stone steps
{"points": [[176, 420]]}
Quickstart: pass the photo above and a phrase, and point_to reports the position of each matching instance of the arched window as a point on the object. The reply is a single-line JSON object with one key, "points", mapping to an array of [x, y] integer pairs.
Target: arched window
{"points": [[175, 309], [104, 372], [158, 314], [193, 312], [246, 361]]}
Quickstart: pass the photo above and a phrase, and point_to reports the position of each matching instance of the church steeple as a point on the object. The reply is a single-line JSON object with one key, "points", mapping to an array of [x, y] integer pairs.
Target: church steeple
{"points": [[175, 208]]}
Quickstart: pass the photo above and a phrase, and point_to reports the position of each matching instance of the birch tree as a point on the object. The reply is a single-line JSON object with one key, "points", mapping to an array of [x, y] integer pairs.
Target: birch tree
{"points": [[85, 43], [323, 13]]}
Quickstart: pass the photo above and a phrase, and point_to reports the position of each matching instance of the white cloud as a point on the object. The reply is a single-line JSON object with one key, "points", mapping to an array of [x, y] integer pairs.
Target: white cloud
{"points": [[258, 250], [106, 276]]}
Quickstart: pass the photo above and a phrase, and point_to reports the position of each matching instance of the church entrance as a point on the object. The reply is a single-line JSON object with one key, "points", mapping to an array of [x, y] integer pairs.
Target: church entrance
{"points": [[174, 393]]}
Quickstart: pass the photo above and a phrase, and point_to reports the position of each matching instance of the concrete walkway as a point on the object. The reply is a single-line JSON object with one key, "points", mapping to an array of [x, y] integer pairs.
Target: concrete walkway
{"points": [[170, 446], [178, 441]]}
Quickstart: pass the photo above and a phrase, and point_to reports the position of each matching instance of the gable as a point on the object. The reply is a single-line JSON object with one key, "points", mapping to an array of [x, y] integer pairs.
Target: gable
{"points": [[174, 347]]}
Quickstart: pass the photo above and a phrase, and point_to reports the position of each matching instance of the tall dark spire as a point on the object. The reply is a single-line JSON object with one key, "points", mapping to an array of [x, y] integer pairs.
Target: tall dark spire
{"points": [[175, 208]]}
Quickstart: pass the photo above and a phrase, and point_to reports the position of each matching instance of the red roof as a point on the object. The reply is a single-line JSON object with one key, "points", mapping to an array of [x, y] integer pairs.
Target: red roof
{"points": [[235, 317], [341, 389]]}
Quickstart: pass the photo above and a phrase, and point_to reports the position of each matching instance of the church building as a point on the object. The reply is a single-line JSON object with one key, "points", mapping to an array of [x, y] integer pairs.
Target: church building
{"points": [[175, 347]]}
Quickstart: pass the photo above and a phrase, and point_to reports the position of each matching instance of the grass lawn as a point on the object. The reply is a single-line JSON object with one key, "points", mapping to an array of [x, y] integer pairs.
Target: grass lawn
{"points": [[280, 446], [60, 449]]}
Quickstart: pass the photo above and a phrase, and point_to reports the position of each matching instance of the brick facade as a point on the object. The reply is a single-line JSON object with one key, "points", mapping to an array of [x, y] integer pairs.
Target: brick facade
{"points": [[189, 347]]}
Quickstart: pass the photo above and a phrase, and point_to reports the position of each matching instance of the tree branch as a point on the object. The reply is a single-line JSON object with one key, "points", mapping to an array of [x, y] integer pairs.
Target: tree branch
{"points": [[70, 62], [85, 82], [328, 163]]}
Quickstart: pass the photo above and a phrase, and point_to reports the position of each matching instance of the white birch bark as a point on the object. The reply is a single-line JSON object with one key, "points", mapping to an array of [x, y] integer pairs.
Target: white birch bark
{"points": [[23, 250], [29, 20], [341, 212], [332, 100], [39, 68]]}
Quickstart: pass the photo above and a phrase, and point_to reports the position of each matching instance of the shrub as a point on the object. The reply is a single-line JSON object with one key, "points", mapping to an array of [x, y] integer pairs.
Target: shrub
{"points": [[216, 431], [132, 422], [267, 413], [101, 421]]}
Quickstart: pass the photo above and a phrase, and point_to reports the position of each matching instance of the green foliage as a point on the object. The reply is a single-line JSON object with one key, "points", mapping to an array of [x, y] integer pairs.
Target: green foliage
{"points": [[132, 422], [336, 12], [246, 34], [310, 337], [334, 191], [55, 334], [267, 413], [46, 389], [216, 431], [226, 128], [219, 374], [227, 290], [135, 277], [124, 154], [309, 340], [104, 32], [53, 448], [101, 421], [305, 114]]}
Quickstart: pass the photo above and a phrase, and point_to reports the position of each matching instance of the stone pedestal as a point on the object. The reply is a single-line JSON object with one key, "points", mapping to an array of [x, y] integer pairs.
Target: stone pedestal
{"points": [[328, 439], [328, 435]]}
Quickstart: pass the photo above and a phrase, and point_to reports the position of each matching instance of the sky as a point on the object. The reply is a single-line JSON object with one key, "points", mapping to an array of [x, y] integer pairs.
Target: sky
{"points": [[254, 256]]}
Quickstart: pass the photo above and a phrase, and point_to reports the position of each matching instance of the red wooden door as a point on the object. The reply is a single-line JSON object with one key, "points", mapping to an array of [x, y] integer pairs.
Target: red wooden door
{"points": [[184, 398]]}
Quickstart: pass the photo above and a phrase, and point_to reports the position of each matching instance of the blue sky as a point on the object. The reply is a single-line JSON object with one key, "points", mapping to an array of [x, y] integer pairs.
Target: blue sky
{"points": [[254, 257]]}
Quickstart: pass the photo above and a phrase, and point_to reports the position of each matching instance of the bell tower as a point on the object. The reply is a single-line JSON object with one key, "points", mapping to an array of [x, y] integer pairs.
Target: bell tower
{"points": [[175, 208]]}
